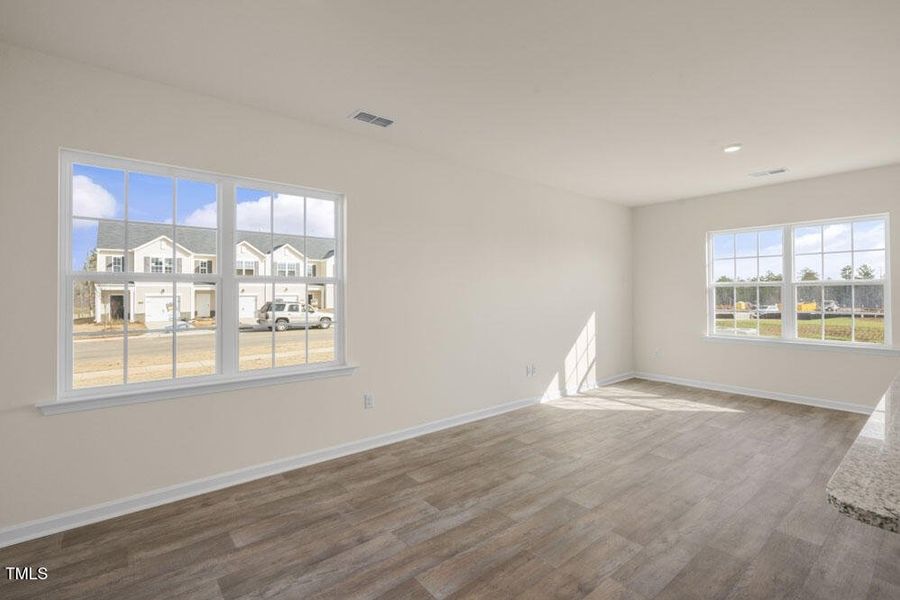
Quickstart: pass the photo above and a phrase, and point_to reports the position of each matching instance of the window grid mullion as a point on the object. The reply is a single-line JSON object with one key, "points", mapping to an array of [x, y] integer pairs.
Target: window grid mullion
{"points": [[852, 285], [271, 267], [305, 268], [126, 285], [176, 298], [228, 292], [710, 289], [788, 317], [822, 313]]}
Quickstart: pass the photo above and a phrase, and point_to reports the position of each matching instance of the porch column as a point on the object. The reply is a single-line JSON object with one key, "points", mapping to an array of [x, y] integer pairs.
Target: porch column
{"points": [[98, 305]]}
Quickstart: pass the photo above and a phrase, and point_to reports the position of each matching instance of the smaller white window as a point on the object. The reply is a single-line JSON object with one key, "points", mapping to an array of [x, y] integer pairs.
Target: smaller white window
{"points": [[161, 265], [823, 281], [203, 266], [287, 269], [246, 267], [311, 270], [115, 264]]}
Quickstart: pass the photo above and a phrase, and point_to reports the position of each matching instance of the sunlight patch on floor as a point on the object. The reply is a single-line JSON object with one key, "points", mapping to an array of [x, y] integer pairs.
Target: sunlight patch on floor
{"points": [[618, 398], [584, 403]]}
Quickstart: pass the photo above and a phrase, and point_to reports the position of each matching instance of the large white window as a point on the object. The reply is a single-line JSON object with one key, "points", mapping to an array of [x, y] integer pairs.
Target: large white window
{"points": [[821, 282], [133, 319]]}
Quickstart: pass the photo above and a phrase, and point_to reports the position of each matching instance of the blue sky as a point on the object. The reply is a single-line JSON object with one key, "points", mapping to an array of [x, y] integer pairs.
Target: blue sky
{"points": [[84, 240], [150, 198], [99, 193], [844, 244], [745, 244], [195, 198]]}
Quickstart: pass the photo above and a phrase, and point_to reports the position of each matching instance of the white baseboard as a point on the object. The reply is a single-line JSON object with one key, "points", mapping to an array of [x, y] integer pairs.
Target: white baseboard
{"points": [[115, 508], [107, 510], [735, 389], [556, 394], [612, 379]]}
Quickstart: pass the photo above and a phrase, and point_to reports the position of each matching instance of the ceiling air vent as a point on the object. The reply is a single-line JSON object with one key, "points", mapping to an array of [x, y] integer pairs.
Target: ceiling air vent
{"points": [[767, 172], [372, 119]]}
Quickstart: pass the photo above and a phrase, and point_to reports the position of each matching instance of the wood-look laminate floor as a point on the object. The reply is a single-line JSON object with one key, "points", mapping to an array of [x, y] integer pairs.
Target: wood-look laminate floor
{"points": [[636, 491]]}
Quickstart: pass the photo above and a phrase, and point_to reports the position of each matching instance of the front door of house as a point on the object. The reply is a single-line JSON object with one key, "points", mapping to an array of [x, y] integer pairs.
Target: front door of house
{"points": [[117, 307], [204, 305]]}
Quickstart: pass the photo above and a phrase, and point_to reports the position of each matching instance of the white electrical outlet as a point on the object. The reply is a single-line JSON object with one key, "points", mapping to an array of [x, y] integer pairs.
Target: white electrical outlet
{"points": [[368, 400]]}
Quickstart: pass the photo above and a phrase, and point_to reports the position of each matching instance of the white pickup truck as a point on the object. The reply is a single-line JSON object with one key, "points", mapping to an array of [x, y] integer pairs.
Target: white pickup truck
{"points": [[292, 314]]}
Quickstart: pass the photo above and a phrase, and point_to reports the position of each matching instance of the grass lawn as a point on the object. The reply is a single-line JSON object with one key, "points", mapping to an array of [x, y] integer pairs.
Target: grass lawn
{"points": [[837, 329]]}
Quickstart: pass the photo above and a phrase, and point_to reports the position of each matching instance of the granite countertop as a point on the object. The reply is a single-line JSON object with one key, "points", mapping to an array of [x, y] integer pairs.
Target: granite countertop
{"points": [[866, 485]]}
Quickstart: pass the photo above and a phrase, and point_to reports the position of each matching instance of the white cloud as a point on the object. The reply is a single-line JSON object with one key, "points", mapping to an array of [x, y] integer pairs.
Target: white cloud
{"points": [[837, 237], [205, 216], [90, 199], [288, 215], [869, 234], [808, 240], [320, 218], [253, 215]]}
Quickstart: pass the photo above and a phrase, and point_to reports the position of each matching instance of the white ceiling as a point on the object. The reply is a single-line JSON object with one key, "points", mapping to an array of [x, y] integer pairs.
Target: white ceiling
{"points": [[628, 100]]}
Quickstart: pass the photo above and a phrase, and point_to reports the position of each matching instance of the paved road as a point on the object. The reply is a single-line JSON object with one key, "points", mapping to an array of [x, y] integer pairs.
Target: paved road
{"points": [[197, 341], [99, 361]]}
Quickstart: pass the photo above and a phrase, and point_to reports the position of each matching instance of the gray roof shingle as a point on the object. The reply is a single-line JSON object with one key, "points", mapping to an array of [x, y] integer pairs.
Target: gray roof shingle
{"points": [[110, 234]]}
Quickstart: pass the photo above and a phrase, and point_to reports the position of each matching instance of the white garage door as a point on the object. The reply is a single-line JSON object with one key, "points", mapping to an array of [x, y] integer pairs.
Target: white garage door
{"points": [[247, 307], [156, 309]]}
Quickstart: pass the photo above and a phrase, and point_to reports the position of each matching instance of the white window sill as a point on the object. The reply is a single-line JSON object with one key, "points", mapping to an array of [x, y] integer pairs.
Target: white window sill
{"points": [[807, 345], [121, 397]]}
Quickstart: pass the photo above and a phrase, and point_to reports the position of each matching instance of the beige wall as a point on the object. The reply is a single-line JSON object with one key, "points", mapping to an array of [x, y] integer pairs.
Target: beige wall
{"points": [[458, 278], [669, 289]]}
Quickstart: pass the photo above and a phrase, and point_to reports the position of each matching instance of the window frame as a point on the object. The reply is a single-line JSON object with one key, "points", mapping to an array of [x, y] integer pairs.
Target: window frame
{"points": [[227, 374], [242, 266], [165, 264], [116, 264], [290, 269], [203, 266], [790, 286]]}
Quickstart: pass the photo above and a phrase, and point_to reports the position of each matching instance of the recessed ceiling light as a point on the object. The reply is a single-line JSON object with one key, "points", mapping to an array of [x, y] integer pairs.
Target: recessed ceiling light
{"points": [[732, 148]]}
